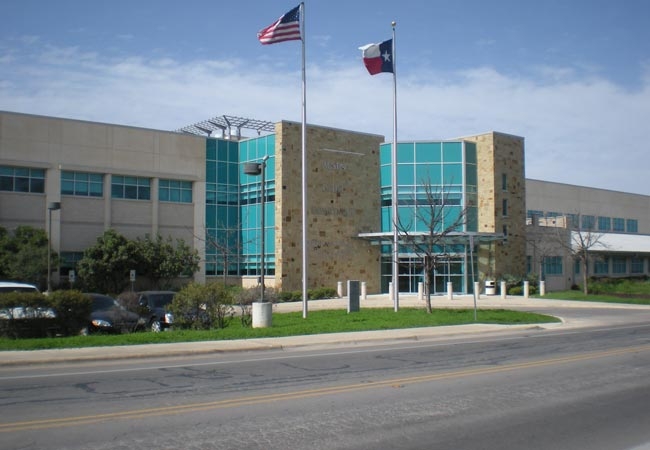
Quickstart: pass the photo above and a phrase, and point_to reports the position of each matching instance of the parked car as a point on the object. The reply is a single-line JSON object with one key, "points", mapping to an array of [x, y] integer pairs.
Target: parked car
{"points": [[23, 312], [109, 316], [154, 308]]}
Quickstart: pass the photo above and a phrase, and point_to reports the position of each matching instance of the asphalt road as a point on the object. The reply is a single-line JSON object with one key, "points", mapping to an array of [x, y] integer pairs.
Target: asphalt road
{"points": [[583, 388]]}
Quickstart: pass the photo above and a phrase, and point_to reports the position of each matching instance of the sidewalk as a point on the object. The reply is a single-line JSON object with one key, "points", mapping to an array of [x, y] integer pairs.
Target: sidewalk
{"points": [[360, 337]]}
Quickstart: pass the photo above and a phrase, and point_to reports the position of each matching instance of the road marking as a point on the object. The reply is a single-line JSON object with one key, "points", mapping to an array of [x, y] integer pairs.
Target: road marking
{"points": [[308, 393], [423, 344]]}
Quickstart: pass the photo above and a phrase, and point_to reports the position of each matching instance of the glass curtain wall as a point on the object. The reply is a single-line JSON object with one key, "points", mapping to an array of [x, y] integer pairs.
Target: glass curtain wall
{"points": [[233, 207], [440, 173]]}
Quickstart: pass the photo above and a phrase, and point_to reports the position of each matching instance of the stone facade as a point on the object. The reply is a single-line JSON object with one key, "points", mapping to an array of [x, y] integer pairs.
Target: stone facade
{"points": [[342, 201], [501, 203]]}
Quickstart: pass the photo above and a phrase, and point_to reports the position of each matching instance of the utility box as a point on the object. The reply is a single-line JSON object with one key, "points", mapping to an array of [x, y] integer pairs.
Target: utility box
{"points": [[490, 287], [354, 288]]}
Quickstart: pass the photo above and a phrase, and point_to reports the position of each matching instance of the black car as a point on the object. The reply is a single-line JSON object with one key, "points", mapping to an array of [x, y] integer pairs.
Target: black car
{"points": [[154, 308], [109, 316]]}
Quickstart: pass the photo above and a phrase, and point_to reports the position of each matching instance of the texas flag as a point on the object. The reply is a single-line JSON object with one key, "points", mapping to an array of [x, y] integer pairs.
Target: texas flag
{"points": [[378, 57]]}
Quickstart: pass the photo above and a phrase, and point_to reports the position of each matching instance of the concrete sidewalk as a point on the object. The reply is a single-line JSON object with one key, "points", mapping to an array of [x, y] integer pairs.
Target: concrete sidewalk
{"points": [[405, 301]]}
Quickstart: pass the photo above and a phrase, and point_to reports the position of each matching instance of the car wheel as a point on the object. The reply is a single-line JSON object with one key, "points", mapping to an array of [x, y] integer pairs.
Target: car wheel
{"points": [[155, 326]]}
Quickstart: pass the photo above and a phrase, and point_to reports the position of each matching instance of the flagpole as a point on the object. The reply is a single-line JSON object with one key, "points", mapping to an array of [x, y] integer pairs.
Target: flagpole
{"points": [[394, 190], [304, 166]]}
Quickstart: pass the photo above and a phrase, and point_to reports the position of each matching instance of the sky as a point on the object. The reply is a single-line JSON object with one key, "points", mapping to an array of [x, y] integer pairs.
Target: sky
{"points": [[570, 76]]}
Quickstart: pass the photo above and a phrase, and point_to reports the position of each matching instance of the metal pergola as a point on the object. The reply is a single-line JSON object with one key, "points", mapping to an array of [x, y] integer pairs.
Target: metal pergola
{"points": [[229, 127]]}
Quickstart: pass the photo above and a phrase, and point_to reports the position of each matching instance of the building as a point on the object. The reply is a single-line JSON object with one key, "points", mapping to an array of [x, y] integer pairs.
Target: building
{"points": [[560, 216], [191, 184]]}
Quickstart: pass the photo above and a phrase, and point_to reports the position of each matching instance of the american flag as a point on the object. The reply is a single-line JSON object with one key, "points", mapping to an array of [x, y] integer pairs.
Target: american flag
{"points": [[286, 28]]}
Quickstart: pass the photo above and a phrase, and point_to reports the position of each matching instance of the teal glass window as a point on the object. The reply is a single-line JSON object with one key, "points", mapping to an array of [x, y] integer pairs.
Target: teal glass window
{"points": [[82, 184], [428, 152], [588, 222], [471, 178], [604, 223], [601, 266], [128, 187], [405, 152], [619, 265], [470, 153], [636, 265], [452, 174], [428, 174], [619, 224], [405, 174], [175, 191], [385, 154], [553, 265], [22, 179], [452, 152], [632, 226]]}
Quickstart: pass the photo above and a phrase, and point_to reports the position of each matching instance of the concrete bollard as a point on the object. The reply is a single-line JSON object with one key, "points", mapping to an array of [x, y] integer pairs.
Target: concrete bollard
{"points": [[339, 289], [542, 288], [477, 289], [420, 290], [390, 289], [364, 293], [526, 288], [262, 314], [450, 290], [503, 290]]}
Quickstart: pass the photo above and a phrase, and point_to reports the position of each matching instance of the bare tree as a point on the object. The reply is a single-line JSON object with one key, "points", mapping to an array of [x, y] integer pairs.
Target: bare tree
{"points": [[581, 241], [226, 244], [434, 213]]}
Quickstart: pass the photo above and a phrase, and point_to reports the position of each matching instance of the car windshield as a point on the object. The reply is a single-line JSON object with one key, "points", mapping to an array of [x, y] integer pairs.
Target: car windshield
{"points": [[160, 300]]}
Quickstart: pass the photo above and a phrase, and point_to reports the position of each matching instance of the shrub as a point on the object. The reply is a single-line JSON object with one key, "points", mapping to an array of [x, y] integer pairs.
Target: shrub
{"points": [[321, 293], [204, 307], [73, 310]]}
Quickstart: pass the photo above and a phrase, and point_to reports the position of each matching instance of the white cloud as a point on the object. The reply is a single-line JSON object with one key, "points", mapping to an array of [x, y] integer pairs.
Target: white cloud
{"points": [[581, 131]]}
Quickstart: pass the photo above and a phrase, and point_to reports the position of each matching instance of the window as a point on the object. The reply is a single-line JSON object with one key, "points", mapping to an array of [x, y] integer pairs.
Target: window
{"points": [[619, 265], [136, 188], [632, 226], [504, 204], [22, 179], [604, 223], [82, 184], [588, 222], [175, 191], [619, 224], [553, 265], [504, 182], [601, 266], [636, 265]]}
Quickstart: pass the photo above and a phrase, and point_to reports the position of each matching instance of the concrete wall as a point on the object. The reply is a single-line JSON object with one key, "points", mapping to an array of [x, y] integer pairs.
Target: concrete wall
{"points": [[342, 201], [568, 199], [58, 145]]}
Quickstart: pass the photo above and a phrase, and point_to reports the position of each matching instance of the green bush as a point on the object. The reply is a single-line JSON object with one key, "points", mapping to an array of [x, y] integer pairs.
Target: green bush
{"points": [[203, 307], [312, 294], [321, 293], [73, 310]]}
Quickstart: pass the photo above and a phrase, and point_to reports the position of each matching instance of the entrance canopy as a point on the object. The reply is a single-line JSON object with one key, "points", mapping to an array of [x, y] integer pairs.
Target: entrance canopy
{"points": [[454, 238]]}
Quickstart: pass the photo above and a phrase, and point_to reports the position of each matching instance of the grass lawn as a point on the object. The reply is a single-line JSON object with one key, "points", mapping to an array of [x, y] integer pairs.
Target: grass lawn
{"points": [[292, 324], [603, 298]]}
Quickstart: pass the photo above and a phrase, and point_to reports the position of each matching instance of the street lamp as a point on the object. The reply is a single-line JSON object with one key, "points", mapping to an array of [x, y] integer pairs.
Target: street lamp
{"points": [[257, 169], [52, 206]]}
